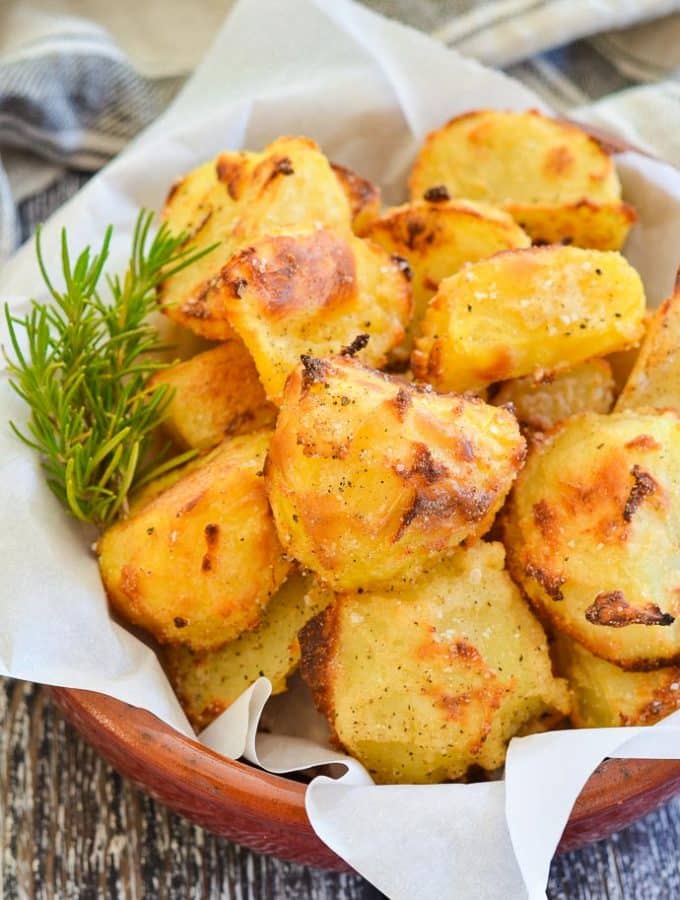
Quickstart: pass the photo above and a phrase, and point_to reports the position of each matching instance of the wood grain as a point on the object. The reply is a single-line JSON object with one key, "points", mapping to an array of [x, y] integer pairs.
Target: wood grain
{"points": [[70, 827]]}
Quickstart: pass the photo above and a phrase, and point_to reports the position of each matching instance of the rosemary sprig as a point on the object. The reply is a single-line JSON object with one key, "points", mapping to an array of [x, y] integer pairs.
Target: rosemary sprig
{"points": [[84, 370]]}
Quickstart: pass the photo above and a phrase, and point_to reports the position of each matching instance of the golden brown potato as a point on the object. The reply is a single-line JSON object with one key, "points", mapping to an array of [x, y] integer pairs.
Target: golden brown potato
{"points": [[198, 562], [190, 198], [421, 682], [592, 532], [208, 683], [290, 184], [216, 394], [556, 181], [437, 238], [206, 203], [526, 312], [655, 377], [605, 695], [540, 403], [313, 292], [363, 197], [370, 479]]}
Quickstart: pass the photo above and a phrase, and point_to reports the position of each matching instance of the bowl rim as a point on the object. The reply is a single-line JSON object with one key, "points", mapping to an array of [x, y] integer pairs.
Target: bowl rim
{"points": [[163, 755], [149, 751]]}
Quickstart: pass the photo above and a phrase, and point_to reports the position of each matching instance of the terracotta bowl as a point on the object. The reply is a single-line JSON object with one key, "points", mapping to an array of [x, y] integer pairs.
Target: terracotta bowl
{"points": [[267, 813]]}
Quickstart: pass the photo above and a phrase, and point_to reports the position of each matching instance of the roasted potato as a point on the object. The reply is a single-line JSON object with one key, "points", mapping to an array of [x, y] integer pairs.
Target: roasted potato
{"points": [[198, 562], [556, 181], [288, 185], [526, 312], [370, 479], [208, 683], [604, 695], [655, 377], [592, 532], [363, 197], [216, 394], [421, 682], [437, 238], [311, 293], [540, 403], [206, 204]]}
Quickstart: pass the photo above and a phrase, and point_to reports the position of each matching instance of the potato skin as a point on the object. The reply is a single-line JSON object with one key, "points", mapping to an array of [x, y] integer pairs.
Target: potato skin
{"points": [[207, 683], [655, 377], [438, 238], [198, 562], [289, 184], [556, 181], [312, 292], [423, 681], [363, 197], [206, 203], [216, 394], [525, 312], [370, 478], [542, 403], [606, 696], [592, 530]]}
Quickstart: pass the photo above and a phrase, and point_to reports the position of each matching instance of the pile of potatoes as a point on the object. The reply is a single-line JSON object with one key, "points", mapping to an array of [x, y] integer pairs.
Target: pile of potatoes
{"points": [[411, 483]]}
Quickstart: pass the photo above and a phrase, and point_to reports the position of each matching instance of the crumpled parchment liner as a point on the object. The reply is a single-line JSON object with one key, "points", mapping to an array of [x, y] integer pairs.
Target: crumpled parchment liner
{"points": [[368, 90]]}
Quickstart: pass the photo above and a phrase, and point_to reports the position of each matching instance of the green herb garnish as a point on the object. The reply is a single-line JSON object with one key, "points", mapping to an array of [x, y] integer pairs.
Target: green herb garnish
{"points": [[84, 373]]}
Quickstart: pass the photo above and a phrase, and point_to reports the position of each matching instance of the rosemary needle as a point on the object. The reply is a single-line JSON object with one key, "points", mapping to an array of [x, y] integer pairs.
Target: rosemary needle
{"points": [[84, 369]]}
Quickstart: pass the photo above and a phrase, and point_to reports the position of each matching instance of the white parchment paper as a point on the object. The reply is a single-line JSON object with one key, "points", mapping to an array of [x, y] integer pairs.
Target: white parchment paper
{"points": [[368, 90]]}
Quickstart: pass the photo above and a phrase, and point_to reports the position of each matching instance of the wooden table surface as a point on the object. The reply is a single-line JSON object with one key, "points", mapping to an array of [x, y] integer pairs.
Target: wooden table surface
{"points": [[71, 827]]}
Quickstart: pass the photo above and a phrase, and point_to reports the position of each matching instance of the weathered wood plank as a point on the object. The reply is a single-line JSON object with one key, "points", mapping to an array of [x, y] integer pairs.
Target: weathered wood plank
{"points": [[72, 828]]}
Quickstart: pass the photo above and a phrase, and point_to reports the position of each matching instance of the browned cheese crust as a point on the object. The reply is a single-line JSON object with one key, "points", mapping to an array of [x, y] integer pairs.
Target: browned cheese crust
{"points": [[592, 532], [311, 293], [370, 478]]}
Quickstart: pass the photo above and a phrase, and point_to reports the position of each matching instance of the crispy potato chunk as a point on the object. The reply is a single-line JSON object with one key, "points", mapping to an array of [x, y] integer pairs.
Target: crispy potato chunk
{"points": [[655, 377], [313, 292], [559, 183], [605, 695], [208, 683], [420, 682], [370, 478], [290, 184], [191, 197], [363, 197], [437, 238], [206, 204], [540, 403], [592, 532], [526, 312], [216, 394], [198, 562]]}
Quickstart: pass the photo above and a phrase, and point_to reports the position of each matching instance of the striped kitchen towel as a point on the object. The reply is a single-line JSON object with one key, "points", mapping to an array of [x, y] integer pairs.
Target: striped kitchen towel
{"points": [[74, 90]]}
